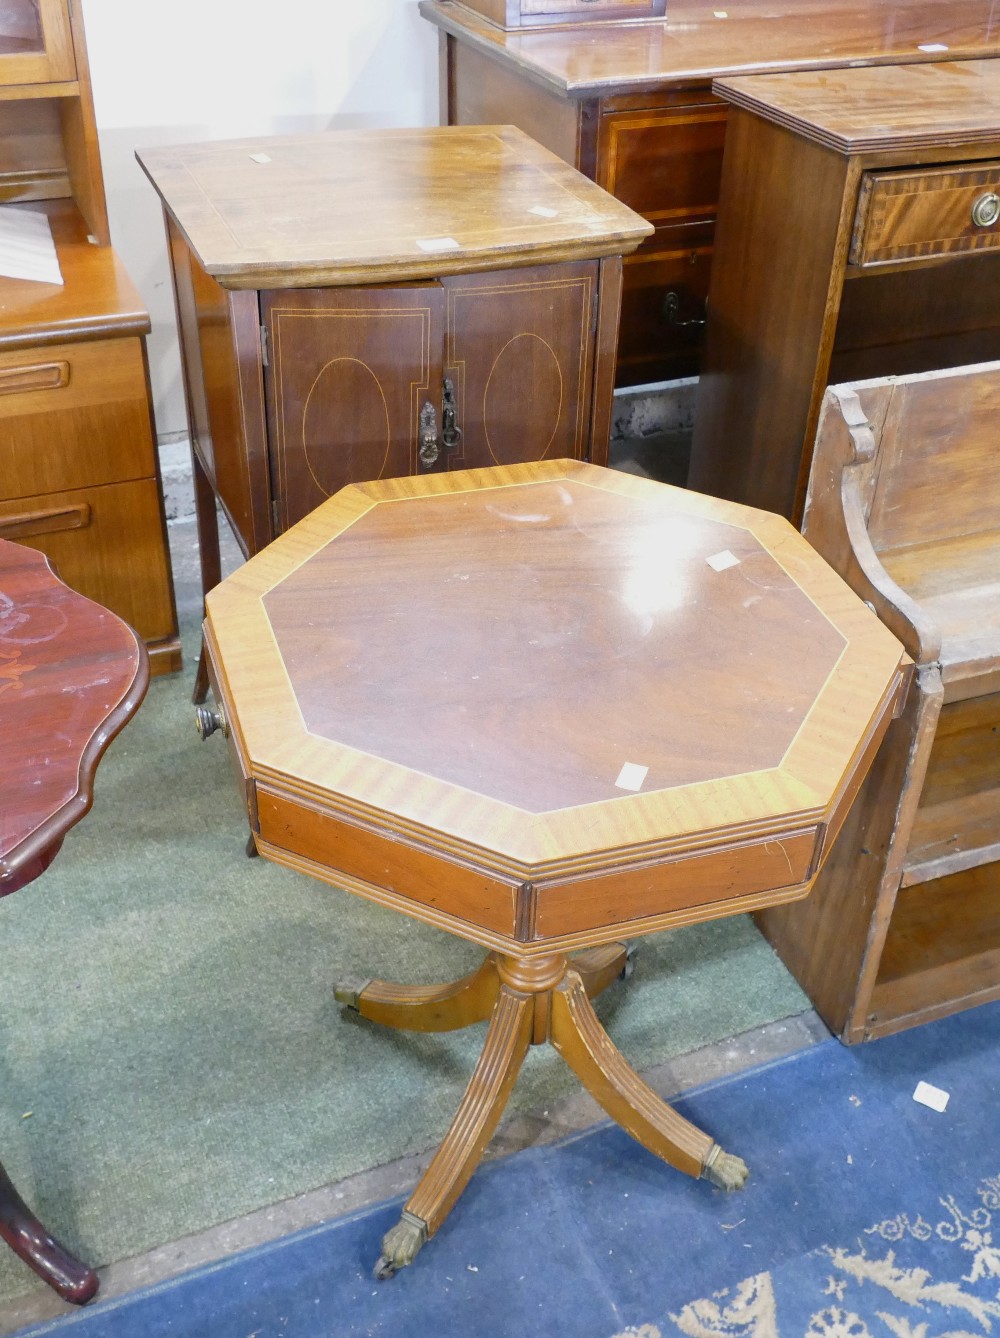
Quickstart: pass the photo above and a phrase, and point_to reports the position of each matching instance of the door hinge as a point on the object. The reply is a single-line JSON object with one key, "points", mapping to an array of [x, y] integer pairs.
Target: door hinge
{"points": [[263, 346], [276, 516]]}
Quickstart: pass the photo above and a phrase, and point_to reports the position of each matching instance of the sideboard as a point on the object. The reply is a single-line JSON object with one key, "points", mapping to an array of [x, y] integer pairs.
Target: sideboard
{"points": [[629, 103]]}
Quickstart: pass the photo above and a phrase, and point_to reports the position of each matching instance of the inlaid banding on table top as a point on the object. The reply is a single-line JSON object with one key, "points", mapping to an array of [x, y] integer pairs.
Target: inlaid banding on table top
{"points": [[905, 107], [282, 205], [612, 604], [860, 681]]}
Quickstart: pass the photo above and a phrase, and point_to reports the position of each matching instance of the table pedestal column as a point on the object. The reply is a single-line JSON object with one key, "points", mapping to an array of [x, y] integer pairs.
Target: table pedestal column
{"points": [[529, 1000]]}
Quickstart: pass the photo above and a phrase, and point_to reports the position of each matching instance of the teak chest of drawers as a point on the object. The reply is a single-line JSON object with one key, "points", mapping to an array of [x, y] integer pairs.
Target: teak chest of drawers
{"points": [[465, 316], [79, 473], [629, 103], [858, 235]]}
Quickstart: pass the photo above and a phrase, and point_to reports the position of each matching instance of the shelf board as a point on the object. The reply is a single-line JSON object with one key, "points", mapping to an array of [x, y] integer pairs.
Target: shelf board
{"points": [[955, 582], [953, 836]]}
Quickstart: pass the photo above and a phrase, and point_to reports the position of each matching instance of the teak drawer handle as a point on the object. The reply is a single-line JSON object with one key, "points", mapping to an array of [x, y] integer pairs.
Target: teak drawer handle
{"points": [[41, 376], [986, 210], [28, 523]]}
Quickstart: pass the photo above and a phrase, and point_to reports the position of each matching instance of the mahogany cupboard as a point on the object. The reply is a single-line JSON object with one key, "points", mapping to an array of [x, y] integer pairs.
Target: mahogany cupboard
{"points": [[467, 315], [79, 474], [629, 103]]}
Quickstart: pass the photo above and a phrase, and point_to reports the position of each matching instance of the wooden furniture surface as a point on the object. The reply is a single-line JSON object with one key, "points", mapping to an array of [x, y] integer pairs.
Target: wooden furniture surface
{"points": [[71, 676], [630, 104], [625, 707], [903, 923], [79, 472], [859, 229], [467, 316]]}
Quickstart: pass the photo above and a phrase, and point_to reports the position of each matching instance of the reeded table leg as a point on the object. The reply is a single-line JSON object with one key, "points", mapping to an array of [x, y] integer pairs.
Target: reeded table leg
{"points": [[577, 1034], [26, 1236], [446, 1007], [476, 1119]]}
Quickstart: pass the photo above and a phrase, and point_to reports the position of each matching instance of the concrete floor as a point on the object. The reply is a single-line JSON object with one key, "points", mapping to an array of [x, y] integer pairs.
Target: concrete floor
{"points": [[657, 454]]}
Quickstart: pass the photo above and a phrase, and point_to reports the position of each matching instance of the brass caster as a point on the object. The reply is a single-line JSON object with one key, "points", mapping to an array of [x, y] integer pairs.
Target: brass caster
{"points": [[349, 993], [400, 1246], [724, 1170]]}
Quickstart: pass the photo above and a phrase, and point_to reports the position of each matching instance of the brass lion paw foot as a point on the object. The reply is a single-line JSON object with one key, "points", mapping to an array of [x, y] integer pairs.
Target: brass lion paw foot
{"points": [[724, 1170], [401, 1245]]}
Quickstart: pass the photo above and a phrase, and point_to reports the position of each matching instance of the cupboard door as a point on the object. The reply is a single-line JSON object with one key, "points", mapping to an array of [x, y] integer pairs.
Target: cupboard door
{"points": [[349, 372], [36, 45], [519, 354]]}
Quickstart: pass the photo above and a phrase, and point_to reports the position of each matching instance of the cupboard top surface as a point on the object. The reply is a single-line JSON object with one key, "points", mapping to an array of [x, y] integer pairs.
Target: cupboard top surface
{"points": [[702, 39], [594, 664], [369, 206], [866, 110]]}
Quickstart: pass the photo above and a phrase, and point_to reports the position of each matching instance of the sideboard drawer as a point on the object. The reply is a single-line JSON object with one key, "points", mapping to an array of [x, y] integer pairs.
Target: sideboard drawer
{"points": [[665, 163], [73, 415], [907, 215]]}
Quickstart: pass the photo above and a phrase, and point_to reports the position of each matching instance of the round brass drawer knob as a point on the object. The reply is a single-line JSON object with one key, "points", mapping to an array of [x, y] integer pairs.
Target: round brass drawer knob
{"points": [[986, 210]]}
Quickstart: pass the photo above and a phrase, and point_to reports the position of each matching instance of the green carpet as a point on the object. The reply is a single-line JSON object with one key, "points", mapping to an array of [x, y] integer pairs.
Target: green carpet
{"points": [[170, 1052]]}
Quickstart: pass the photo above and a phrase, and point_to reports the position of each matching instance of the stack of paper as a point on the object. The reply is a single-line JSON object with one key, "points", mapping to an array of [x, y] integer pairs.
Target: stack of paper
{"points": [[27, 250]]}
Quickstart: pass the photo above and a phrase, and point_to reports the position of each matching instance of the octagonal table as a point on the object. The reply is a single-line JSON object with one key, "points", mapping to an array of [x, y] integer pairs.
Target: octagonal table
{"points": [[547, 708]]}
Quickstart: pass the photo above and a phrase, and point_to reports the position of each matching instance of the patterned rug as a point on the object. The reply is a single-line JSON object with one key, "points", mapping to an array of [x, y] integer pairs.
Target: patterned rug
{"points": [[868, 1215]]}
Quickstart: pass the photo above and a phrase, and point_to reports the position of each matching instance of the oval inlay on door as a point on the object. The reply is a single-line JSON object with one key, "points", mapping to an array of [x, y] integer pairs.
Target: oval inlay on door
{"points": [[341, 445], [523, 400]]}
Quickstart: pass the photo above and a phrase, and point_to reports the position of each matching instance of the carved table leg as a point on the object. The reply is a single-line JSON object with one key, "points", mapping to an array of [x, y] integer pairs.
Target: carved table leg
{"points": [[448, 1007], [577, 1034], [478, 1114], [26, 1236]]}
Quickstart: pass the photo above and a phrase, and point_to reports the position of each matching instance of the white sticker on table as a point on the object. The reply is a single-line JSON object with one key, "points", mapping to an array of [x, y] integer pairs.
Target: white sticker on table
{"points": [[259, 158], [543, 211], [438, 244], [720, 561], [631, 776]]}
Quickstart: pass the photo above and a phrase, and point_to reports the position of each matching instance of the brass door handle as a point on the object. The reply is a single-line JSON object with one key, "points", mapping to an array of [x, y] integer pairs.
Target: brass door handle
{"points": [[451, 433], [430, 447]]}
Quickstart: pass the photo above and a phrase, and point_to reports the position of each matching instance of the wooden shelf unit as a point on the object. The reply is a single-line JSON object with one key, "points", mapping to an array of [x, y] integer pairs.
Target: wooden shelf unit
{"points": [[904, 923]]}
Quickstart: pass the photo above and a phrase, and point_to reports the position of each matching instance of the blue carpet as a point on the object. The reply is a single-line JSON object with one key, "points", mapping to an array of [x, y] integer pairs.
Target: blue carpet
{"points": [[867, 1215]]}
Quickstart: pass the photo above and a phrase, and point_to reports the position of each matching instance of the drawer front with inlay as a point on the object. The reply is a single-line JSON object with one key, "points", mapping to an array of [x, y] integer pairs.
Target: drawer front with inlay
{"points": [[907, 215]]}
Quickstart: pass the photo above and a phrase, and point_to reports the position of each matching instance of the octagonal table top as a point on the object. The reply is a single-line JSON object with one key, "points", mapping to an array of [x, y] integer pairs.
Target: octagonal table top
{"points": [[548, 675]]}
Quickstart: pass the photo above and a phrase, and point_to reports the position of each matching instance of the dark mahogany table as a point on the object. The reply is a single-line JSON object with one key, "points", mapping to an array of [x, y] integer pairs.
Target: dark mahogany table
{"points": [[71, 675], [546, 707]]}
